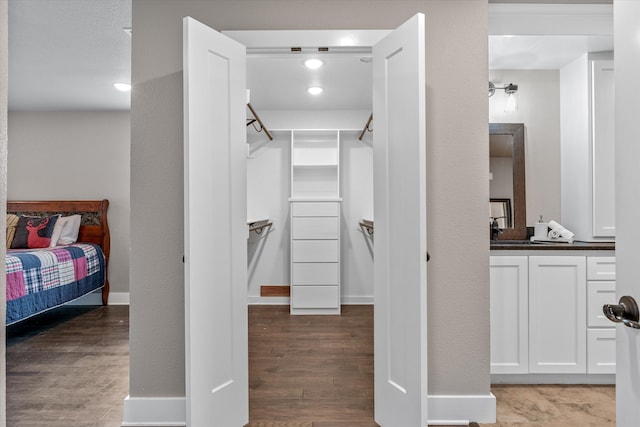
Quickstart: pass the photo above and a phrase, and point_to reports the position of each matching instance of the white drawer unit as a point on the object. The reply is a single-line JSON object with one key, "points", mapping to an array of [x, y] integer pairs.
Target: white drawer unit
{"points": [[314, 251], [315, 273], [313, 228], [315, 298], [315, 222], [599, 294], [601, 332], [601, 348], [601, 268], [315, 209]]}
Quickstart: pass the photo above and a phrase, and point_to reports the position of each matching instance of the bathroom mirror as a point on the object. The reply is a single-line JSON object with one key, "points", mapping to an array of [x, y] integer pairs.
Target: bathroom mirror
{"points": [[507, 179]]}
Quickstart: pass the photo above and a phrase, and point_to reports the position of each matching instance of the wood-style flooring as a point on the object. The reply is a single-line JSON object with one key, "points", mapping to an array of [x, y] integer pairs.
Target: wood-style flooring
{"points": [[69, 368]]}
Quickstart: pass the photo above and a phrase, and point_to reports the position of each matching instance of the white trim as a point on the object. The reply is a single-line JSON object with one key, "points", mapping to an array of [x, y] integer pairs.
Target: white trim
{"points": [[553, 378], [346, 300], [257, 300], [550, 19], [95, 298], [460, 410], [357, 300], [154, 412]]}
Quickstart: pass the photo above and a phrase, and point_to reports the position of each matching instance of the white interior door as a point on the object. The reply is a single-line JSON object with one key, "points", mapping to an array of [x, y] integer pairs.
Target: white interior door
{"points": [[216, 349], [400, 279], [627, 156]]}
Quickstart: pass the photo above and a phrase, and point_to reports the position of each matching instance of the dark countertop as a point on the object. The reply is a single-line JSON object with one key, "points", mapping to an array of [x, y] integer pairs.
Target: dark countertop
{"points": [[528, 245]]}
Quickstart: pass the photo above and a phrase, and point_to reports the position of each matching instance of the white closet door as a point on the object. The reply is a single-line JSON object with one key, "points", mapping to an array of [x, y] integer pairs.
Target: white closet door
{"points": [[215, 228], [400, 279]]}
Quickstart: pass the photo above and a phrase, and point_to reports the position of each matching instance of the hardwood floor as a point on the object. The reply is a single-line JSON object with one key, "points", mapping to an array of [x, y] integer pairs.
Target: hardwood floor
{"points": [[310, 370], [69, 368]]}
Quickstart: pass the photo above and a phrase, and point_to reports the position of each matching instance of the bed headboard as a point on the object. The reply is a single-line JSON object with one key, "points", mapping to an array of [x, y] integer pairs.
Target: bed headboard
{"points": [[94, 227]]}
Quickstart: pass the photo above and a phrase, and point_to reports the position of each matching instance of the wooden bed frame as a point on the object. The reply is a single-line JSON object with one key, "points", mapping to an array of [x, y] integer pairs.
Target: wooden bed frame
{"points": [[94, 227]]}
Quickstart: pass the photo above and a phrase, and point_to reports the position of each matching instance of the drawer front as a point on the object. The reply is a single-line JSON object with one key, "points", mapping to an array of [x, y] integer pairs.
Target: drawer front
{"points": [[601, 268], [315, 209], [314, 228], [315, 297], [314, 251], [598, 294], [314, 273], [601, 351]]}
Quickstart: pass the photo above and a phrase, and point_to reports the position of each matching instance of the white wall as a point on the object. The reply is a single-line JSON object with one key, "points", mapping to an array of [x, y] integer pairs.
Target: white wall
{"points": [[539, 110], [4, 85], [76, 155], [268, 190]]}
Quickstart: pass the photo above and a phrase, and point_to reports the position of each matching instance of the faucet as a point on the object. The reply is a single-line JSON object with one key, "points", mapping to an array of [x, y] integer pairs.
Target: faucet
{"points": [[494, 228]]}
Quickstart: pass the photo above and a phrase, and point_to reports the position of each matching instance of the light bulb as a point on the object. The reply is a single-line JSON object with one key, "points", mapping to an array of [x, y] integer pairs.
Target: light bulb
{"points": [[511, 104], [313, 63], [315, 90], [122, 87]]}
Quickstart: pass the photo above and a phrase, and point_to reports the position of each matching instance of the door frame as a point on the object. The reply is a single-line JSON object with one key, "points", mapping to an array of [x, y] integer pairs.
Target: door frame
{"points": [[345, 41]]}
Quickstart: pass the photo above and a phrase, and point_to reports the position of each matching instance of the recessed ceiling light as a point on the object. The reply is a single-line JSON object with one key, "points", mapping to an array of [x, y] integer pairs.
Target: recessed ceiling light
{"points": [[313, 63], [122, 87], [315, 90]]}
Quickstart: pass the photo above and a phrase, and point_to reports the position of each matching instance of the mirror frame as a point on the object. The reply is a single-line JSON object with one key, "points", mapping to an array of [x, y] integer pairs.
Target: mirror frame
{"points": [[516, 131]]}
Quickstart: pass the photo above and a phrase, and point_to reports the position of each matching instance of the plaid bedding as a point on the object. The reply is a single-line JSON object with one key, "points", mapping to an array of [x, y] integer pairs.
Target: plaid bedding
{"points": [[40, 279]]}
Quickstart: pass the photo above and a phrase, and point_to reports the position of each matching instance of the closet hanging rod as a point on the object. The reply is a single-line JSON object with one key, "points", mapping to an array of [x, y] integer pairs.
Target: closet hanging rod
{"points": [[367, 225], [257, 118], [259, 227], [366, 127]]}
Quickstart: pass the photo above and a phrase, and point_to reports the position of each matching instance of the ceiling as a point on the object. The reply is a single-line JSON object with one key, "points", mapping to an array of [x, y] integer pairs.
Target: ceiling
{"points": [[66, 55]]}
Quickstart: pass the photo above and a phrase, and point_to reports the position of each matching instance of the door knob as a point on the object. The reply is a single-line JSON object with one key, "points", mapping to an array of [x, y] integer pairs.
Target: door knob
{"points": [[626, 312]]}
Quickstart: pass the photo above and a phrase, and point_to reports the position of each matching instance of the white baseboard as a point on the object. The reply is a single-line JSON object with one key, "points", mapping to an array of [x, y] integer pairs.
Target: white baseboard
{"points": [[95, 298], [459, 410], [347, 300], [154, 412], [269, 300], [357, 300]]}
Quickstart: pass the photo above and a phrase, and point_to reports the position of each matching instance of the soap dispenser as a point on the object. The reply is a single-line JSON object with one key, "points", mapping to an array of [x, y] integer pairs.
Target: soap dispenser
{"points": [[541, 229]]}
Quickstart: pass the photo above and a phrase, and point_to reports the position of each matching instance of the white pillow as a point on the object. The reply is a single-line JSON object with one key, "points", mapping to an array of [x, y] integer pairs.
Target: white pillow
{"points": [[66, 230]]}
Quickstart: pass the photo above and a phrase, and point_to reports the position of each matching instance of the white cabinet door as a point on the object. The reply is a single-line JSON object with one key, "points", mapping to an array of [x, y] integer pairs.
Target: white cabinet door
{"points": [[557, 316], [509, 315], [602, 122]]}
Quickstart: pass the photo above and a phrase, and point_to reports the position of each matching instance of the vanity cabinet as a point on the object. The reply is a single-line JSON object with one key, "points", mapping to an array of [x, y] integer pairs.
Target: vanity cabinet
{"points": [[587, 147], [558, 304], [509, 314], [546, 314], [315, 222]]}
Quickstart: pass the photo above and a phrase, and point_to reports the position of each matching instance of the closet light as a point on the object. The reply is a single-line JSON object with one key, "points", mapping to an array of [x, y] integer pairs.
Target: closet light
{"points": [[313, 63], [315, 90], [122, 87]]}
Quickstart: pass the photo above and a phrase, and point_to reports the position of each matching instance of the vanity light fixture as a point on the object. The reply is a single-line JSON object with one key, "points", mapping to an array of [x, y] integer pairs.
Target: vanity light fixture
{"points": [[315, 90], [313, 63], [508, 89], [122, 87], [511, 91]]}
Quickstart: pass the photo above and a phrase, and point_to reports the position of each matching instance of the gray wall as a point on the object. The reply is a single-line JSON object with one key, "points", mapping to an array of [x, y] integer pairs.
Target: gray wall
{"points": [[42, 165], [458, 165], [4, 86]]}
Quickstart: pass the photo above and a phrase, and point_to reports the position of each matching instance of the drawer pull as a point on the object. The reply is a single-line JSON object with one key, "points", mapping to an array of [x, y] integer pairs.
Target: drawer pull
{"points": [[626, 312]]}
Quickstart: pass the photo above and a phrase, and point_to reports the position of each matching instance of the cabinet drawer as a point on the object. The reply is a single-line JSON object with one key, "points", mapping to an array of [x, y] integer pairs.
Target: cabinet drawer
{"points": [[601, 351], [314, 209], [314, 228], [314, 273], [598, 294], [601, 268], [315, 297], [314, 251]]}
